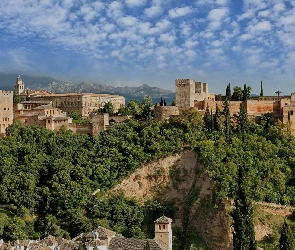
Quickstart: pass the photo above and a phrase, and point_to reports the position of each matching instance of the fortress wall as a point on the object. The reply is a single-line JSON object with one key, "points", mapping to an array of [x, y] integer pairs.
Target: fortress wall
{"points": [[119, 119], [258, 107], [163, 113]]}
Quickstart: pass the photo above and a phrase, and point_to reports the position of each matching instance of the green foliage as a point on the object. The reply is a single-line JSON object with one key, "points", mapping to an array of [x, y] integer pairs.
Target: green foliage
{"points": [[77, 119], [237, 94], [287, 239], [17, 98], [244, 235], [207, 119], [246, 92], [52, 175], [108, 108], [228, 92], [147, 245]]}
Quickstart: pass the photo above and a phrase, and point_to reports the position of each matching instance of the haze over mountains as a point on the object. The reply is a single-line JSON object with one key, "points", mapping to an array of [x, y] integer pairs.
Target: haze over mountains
{"points": [[56, 86]]}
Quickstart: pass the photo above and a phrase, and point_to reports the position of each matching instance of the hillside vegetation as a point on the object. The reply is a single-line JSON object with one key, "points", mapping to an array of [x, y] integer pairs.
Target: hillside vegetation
{"points": [[54, 183]]}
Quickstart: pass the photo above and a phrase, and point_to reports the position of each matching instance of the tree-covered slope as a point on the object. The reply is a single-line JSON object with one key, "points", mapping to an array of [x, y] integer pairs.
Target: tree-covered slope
{"points": [[49, 181]]}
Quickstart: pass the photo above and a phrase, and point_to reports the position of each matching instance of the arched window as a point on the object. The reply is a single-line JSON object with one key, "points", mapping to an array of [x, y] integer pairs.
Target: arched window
{"points": [[160, 227], [163, 226]]}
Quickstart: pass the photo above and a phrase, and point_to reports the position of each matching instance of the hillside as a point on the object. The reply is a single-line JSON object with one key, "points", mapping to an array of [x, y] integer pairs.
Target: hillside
{"points": [[174, 178], [56, 182], [57, 86]]}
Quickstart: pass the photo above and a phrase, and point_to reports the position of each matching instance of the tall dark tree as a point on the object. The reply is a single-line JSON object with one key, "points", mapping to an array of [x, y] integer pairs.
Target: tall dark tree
{"points": [[228, 92], [147, 245], [244, 234], [287, 238], [212, 120], [246, 92], [243, 120], [217, 119], [207, 119], [226, 113], [261, 89]]}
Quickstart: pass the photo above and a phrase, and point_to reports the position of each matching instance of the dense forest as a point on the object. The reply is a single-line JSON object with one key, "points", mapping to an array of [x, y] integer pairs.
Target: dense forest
{"points": [[55, 182]]}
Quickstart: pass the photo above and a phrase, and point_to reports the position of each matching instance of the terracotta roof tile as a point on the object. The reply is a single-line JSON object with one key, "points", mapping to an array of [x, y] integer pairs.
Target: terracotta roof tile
{"points": [[163, 219]]}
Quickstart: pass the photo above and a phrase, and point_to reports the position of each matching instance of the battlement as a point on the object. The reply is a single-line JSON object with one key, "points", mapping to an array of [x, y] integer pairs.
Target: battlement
{"points": [[4, 92], [184, 82]]}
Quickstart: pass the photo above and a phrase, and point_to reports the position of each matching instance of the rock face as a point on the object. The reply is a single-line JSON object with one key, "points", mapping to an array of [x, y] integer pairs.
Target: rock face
{"points": [[176, 178]]}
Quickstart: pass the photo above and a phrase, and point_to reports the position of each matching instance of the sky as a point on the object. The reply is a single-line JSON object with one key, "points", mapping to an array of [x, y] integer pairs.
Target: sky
{"points": [[154, 42]]}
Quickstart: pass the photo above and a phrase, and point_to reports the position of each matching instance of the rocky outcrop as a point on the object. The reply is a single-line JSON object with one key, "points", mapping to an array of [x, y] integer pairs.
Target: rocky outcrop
{"points": [[176, 178]]}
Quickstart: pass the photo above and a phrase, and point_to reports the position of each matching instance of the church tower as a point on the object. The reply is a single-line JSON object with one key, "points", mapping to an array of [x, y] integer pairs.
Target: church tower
{"points": [[163, 231], [19, 86]]}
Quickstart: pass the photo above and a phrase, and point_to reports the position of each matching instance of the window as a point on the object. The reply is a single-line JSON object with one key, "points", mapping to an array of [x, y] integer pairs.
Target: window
{"points": [[291, 112], [163, 226], [160, 227]]}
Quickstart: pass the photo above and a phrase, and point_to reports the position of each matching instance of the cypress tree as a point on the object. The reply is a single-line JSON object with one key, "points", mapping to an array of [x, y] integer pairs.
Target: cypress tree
{"points": [[244, 234], [228, 92], [246, 92], [243, 120], [286, 239], [147, 246], [207, 119], [261, 89], [217, 118], [212, 120], [226, 112]]}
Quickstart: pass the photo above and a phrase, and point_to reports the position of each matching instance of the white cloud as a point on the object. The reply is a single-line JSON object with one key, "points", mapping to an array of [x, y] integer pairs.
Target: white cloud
{"points": [[221, 2], [178, 12], [245, 37], [217, 16], [260, 27], [190, 53], [167, 38], [135, 3], [153, 11], [127, 20]]}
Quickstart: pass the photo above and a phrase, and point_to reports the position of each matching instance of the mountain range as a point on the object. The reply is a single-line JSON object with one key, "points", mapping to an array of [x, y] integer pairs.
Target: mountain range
{"points": [[56, 86]]}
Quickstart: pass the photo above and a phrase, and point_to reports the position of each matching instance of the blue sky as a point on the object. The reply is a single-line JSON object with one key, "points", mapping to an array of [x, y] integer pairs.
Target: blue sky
{"points": [[154, 42]]}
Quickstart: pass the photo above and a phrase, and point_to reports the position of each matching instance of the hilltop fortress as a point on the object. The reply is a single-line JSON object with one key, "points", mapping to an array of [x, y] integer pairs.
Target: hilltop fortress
{"points": [[192, 94], [51, 110]]}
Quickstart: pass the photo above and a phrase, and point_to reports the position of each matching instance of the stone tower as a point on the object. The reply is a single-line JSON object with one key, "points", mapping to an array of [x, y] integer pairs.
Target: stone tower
{"points": [[19, 86], [185, 93], [163, 231]]}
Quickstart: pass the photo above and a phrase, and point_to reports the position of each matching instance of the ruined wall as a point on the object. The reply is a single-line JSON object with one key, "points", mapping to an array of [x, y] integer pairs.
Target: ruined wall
{"points": [[184, 93], [81, 128], [6, 110], [163, 113], [99, 123], [258, 107]]}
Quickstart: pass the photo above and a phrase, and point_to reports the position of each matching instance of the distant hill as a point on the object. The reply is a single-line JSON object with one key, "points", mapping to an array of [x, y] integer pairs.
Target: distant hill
{"points": [[56, 86]]}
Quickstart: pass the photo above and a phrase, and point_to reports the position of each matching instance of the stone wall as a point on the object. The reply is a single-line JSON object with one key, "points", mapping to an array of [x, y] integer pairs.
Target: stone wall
{"points": [[163, 113], [6, 110], [259, 107], [99, 123]]}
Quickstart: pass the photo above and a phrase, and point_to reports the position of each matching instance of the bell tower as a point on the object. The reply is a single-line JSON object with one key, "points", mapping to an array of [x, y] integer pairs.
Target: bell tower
{"points": [[163, 231], [19, 86]]}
